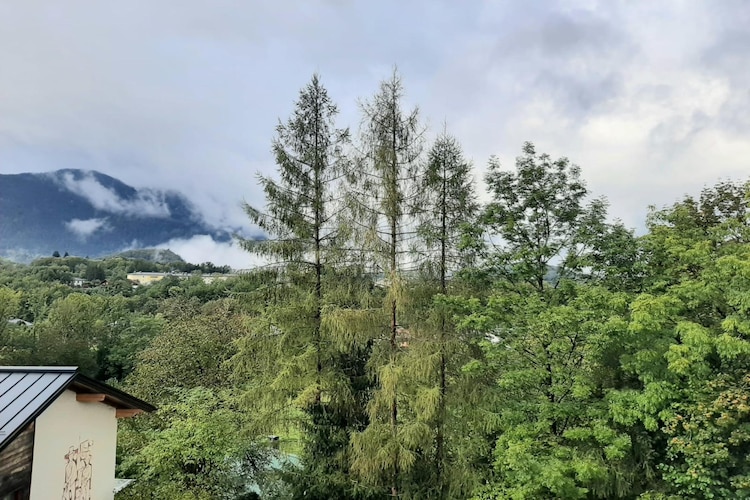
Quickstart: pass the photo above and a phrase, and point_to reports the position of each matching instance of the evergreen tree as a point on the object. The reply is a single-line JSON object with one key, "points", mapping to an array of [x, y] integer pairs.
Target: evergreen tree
{"points": [[449, 205], [291, 354]]}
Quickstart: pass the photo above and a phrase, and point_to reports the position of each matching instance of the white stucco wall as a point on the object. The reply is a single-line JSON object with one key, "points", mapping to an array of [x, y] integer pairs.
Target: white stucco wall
{"points": [[87, 434]]}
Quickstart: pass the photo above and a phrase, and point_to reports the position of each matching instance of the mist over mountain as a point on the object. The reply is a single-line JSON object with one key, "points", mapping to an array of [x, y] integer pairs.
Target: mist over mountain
{"points": [[88, 213]]}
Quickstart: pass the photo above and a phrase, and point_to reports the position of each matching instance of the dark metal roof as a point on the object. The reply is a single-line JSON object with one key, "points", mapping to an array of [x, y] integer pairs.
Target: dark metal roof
{"points": [[25, 394], [26, 391]]}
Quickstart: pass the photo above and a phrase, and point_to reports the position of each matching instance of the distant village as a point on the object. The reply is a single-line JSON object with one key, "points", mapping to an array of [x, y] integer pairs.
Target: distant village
{"points": [[137, 279]]}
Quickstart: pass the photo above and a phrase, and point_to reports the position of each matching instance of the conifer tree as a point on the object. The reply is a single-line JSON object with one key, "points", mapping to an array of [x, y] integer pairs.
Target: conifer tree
{"points": [[384, 195], [449, 204], [290, 356]]}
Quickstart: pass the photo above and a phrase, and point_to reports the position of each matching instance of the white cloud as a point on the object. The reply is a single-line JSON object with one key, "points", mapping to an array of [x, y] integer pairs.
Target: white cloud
{"points": [[83, 228], [649, 98], [203, 248], [146, 203]]}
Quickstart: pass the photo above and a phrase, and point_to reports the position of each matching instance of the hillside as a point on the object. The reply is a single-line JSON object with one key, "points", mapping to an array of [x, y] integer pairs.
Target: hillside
{"points": [[88, 213], [157, 255]]}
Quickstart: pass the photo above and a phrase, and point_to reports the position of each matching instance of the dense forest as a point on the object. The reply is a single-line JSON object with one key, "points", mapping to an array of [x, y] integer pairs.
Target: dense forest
{"points": [[411, 337]]}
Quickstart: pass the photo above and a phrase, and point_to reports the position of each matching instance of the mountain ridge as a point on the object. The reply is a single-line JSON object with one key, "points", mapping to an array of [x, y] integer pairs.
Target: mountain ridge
{"points": [[86, 212]]}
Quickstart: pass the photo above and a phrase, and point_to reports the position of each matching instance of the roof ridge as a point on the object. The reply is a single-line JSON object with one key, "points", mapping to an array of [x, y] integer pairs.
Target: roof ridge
{"points": [[48, 369]]}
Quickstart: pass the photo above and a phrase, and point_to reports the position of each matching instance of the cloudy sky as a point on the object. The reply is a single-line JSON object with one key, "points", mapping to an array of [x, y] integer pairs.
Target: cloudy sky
{"points": [[651, 99]]}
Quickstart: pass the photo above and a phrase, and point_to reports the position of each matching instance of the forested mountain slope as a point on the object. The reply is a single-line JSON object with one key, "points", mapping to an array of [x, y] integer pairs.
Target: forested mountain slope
{"points": [[89, 213]]}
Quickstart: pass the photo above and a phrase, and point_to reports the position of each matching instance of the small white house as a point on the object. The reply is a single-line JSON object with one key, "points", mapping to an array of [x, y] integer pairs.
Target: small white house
{"points": [[58, 433], [79, 282]]}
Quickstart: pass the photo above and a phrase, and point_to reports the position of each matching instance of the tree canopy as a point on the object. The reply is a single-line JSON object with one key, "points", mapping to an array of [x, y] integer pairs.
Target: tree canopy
{"points": [[408, 337]]}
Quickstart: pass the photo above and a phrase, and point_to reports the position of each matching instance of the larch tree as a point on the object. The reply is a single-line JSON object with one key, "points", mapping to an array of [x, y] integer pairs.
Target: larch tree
{"points": [[436, 352], [384, 188], [449, 204]]}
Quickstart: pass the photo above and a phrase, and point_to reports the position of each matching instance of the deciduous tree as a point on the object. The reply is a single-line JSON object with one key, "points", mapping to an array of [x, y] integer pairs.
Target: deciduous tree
{"points": [[435, 349], [384, 196]]}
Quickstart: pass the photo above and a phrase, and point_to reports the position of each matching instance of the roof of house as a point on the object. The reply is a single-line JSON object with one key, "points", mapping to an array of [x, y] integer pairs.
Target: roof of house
{"points": [[26, 391]]}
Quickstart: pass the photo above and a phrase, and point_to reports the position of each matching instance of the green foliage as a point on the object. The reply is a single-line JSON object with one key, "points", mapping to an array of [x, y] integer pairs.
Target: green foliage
{"points": [[292, 356], [129, 337], [689, 348], [10, 302], [384, 196], [553, 337], [415, 344], [435, 350], [537, 219], [72, 332], [190, 350], [300, 206], [54, 273], [556, 437], [94, 272], [195, 450], [448, 206]]}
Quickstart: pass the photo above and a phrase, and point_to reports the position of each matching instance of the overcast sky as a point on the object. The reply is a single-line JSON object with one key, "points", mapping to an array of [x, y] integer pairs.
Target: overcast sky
{"points": [[650, 99]]}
